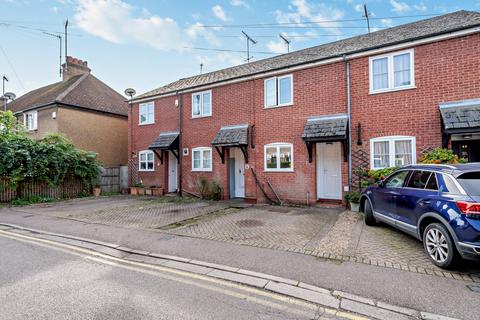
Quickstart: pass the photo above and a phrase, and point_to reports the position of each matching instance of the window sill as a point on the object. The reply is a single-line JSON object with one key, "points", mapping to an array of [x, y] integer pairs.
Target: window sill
{"points": [[392, 90], [197, 117], [146, 170], [278, 170], [278, 106], [146, 124], [201, 170]]}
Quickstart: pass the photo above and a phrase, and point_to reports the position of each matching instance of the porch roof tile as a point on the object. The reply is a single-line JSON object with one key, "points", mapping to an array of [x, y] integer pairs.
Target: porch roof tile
{"points": [[229, 136], [461, 115], [165, 141], [326, 128]]}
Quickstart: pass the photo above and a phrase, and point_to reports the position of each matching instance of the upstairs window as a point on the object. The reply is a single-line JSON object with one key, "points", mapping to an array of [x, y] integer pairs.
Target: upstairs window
{"points": [[30, 120], [202, 104], [278, 91], [392, 71], [147, 113], [392, 152], [202, 159], [279, 157], [146, 162]]}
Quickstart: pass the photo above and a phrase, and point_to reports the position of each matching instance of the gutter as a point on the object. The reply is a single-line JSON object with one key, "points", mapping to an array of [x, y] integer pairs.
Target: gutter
{"points": [[458, 32], [349, 115]]}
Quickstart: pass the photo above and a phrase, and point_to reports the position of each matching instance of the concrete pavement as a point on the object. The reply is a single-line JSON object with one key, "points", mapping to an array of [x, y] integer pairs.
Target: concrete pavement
{"points": [[337, 304], [55, 284], [421, 292]]}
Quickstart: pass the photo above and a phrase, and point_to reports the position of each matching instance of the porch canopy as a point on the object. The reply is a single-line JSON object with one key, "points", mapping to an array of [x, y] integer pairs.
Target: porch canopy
{"points": [[459, 118], [166, 141], [329, 128], [232, 137]]}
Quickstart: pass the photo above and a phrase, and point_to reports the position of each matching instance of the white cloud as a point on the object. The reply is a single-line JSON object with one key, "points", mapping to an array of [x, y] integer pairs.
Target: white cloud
{"points": [[399, 7], [302, 11], [239, 3], [277, 46], [359, 8], [387, 22], [54, 9], [114, 21], [219, 13], [196, 30], [420, 7]]}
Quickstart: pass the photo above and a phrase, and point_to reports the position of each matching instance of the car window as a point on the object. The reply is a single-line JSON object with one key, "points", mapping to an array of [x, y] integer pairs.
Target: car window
{"points": [[470, 182], [418, 179], [396, 180], [449, 185], [432, 182]]}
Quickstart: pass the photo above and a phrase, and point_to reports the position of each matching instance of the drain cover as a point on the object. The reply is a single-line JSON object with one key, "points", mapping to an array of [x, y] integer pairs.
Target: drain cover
{"points": [[249, 223], [474, 288]]}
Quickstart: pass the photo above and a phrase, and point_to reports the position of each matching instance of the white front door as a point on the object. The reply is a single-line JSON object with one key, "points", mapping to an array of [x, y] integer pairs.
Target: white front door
{"points": [[172, 172], [239, 173], [329, 171]]}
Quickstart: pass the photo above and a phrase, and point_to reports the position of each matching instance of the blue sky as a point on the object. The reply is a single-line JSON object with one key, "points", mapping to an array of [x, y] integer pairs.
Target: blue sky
{"points": [[146, 44]]}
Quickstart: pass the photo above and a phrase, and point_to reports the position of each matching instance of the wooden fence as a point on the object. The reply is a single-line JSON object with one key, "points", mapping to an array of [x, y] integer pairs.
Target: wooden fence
{"points": [[113, 179], [31, 189]]}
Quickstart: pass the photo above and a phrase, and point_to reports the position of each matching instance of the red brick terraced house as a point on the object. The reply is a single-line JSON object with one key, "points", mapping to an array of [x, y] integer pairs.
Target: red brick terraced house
{"points": [[296, 126]]}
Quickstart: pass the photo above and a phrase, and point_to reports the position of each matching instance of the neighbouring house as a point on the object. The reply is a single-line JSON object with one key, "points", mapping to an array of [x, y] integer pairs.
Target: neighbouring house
{"points": [[297, 125], [82, 108]]}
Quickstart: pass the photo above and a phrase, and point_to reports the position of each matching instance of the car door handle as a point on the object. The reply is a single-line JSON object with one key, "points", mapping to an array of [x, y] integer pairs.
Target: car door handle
{"points": [[424, 202]]}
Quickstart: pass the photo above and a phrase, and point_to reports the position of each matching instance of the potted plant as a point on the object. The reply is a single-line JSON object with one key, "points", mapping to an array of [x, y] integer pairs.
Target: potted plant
{"points": [[137, 189], [97, 190], [148, 191], [156, 191], [353, 198]]}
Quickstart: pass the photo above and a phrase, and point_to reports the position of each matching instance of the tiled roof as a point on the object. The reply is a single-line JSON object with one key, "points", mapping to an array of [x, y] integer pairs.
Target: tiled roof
{"points": [[326, 128], [231, 136], [417, 30], [461, 115], [83, 91], [165, 141]]}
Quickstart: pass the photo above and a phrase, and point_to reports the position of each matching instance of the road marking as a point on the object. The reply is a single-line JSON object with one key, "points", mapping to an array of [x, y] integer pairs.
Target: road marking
{"points": [[175, 275]]}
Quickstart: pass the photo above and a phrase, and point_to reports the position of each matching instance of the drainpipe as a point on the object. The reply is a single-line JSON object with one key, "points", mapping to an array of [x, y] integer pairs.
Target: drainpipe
{"points": [[347, 65], [180, 139]]}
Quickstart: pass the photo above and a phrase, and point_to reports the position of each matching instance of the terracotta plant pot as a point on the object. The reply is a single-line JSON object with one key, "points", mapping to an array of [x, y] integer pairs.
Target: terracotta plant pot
{"points": [[141, 191], [97, 191], [148, 191], [134, 191], [157, 192]]}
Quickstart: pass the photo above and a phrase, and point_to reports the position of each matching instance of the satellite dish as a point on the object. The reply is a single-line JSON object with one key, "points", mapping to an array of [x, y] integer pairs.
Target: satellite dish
{"points": [[130, 92], [10, 96]]}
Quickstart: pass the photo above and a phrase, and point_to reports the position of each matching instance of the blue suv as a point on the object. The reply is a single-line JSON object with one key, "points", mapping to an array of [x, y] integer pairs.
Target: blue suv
{"points": [[438, 204]]}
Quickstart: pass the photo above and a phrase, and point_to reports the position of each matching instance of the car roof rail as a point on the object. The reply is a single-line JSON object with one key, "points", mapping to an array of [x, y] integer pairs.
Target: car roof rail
{"points": [[434, 165]]}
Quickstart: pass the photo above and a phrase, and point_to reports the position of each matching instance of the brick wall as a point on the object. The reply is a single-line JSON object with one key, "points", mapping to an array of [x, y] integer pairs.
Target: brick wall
{"points": [[444, 71]]}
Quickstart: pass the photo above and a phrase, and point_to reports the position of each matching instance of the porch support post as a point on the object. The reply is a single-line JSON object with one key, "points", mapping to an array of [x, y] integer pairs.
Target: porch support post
{"points": [[159, 155], [309, 145], [244, 149], [445, 139], [221, 153], [345, 150]]}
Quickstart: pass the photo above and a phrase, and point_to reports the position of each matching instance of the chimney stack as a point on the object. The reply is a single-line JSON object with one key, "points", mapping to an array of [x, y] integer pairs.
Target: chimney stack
{"points": [[74, 67]]}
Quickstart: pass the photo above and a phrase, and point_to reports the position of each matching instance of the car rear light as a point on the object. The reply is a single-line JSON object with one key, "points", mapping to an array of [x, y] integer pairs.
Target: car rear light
{"points": [[470, 209]]}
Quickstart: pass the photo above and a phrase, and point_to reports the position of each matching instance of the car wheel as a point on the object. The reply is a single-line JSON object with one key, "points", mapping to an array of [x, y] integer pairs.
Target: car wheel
{"points": [[368, 211], [439, 246]]}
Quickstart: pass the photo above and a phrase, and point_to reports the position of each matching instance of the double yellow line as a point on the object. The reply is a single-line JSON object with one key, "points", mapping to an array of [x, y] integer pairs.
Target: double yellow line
{"points": [[254, 295]]}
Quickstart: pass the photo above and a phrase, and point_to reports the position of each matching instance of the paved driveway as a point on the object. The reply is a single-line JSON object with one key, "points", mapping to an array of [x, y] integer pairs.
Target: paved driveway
{"points": [[324, 233], [133, 212]]}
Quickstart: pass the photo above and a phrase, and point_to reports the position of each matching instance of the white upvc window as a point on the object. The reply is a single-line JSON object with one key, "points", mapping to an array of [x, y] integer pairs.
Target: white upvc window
{"points": [[279, 157], [278, 91], [393, 71], [202, 104], [202, 159], [147, 113], [146, 161], [394, 151], [30, 120]]}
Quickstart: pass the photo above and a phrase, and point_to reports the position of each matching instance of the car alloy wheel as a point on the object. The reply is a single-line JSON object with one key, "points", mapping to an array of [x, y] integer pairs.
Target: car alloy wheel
{"points": [[437, 245]]}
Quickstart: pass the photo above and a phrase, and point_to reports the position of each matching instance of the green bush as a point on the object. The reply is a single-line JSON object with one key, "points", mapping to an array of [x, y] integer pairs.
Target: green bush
{"points": [[51, 159], [440, 156], [210, 190], [352, 196]]}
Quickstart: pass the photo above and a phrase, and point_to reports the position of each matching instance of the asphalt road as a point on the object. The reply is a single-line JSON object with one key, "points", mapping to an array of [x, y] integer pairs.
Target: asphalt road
{"points": [[43, 282]]}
